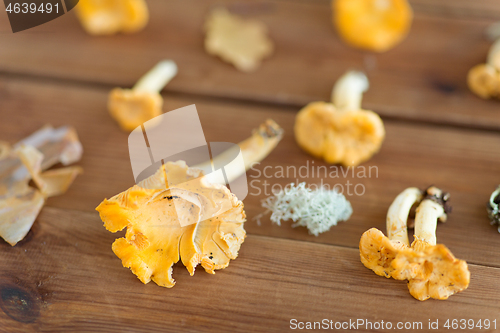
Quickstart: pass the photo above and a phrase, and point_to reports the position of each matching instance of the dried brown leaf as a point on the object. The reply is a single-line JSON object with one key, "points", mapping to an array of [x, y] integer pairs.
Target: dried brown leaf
{"points": [[20, 204]]}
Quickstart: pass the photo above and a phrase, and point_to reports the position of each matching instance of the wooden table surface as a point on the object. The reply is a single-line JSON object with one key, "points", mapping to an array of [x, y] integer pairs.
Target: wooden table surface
{"points": [[68, 279]]}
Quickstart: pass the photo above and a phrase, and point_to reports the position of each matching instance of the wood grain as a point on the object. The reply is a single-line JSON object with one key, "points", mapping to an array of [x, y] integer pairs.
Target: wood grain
{"points": [[63, 277], [463, 162], [443, 8], [458, 8], [423, 79], [82, 286]]}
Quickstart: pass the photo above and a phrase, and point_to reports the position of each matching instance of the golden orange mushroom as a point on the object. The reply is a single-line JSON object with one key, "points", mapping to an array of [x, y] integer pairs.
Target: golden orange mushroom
{"points": [[341, 132], [431, 270], [484, 79], [133, 107], [375, 25], [155, 240], [107, 17], [181, 214], [378, 251]]}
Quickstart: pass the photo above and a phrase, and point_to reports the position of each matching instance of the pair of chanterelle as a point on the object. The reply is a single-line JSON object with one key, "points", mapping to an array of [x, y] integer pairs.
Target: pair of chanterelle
{"points": [[431, 270]]}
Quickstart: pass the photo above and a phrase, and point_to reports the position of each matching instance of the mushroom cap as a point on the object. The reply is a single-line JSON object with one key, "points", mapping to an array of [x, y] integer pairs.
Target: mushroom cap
{"points": [[435, 272], [190, 220], [346, 137], [131, 108], [484, 81], [375, 25], [377, 252], [107, 17]]}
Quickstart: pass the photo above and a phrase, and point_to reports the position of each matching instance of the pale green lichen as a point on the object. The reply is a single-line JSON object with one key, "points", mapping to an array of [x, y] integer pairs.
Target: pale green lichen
{"points": [[494, 207], [318, 210]]}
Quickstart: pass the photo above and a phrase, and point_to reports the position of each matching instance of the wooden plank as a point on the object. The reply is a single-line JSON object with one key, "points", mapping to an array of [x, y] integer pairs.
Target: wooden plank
{"points": [[458, 8], [423, 78], [68, 277], [446, 8], [463, 162]]}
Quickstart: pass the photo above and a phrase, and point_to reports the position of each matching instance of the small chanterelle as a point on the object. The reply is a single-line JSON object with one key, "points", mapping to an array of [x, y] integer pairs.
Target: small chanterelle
{"points": [[431, 270], [108, 17], [484, 79], [340, 131], [181, 214]]}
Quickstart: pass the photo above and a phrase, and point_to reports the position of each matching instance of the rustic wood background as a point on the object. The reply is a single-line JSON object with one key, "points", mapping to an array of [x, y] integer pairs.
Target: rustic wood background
{"points": [[64, 277]]}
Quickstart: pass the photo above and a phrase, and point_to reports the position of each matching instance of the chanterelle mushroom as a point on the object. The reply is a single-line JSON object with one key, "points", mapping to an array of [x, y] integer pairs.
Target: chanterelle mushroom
{"points": [[378, 251], [431, 270], [493, 207], [155, 240], [107, 17], [484, 79], [438, 273], [132, 107], [180, 214], [375, 25], [341, 132]]}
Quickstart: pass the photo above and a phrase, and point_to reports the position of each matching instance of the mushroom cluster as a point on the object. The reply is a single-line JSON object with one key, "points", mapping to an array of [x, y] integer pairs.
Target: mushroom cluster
{"points": [[340, 131], [431, 269]]}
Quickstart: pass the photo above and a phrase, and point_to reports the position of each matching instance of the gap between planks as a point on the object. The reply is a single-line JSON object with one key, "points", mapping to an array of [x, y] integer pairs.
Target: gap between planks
{"points": [[271, 238], [237, 101]]}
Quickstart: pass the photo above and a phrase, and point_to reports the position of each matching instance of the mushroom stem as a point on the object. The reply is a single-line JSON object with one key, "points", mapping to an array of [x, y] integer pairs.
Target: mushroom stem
{"points": [[428, 213], [254, 149], [397, 215], [494, 55], [348, 91], [158, 77]]}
